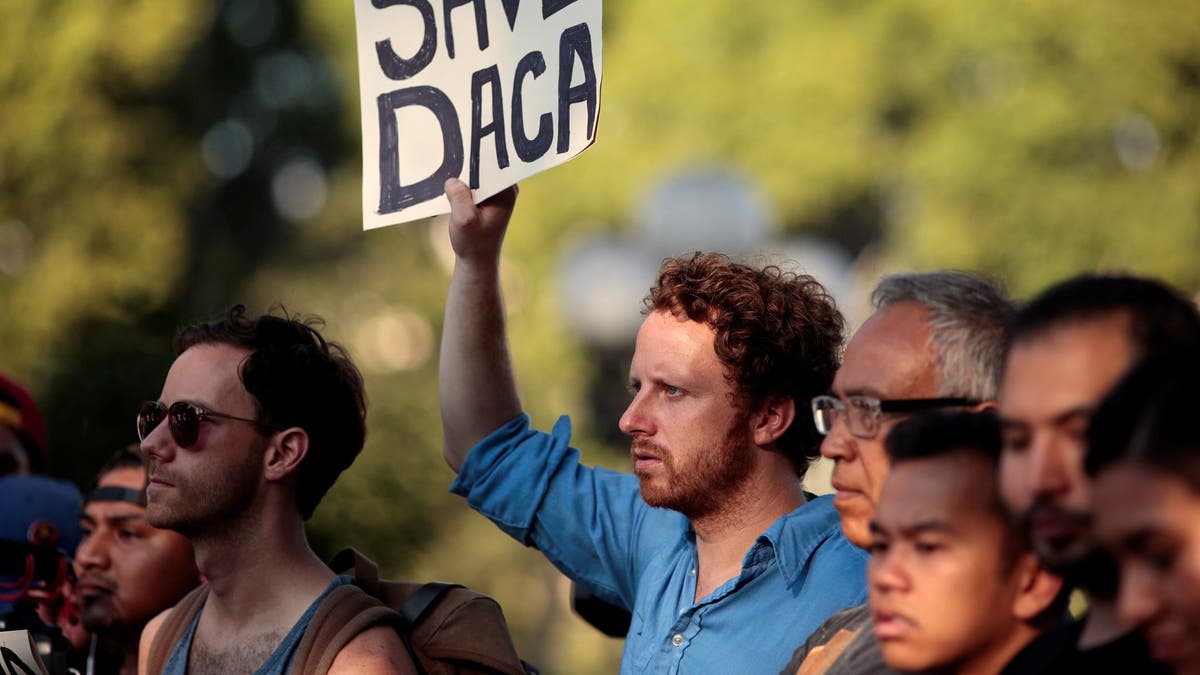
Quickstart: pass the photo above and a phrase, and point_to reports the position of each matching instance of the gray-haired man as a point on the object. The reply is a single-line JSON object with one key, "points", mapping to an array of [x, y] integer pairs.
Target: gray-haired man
{"points": [[935, 341]]}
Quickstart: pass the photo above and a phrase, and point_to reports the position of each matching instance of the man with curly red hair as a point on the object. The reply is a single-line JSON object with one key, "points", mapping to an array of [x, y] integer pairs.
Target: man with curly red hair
{"points": [[711, 543]]}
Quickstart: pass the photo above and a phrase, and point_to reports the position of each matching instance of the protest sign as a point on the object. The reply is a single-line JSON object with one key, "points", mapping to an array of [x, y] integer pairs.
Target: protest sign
{"points": [[18, 654], [490, 91]]}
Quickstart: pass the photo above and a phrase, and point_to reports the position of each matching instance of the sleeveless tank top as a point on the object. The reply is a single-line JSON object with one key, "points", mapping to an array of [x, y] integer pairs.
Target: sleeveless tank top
{"points": [[278, 662]]}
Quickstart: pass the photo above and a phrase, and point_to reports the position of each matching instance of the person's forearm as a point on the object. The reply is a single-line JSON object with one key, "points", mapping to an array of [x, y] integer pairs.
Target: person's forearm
{"points": [[477, 389]]}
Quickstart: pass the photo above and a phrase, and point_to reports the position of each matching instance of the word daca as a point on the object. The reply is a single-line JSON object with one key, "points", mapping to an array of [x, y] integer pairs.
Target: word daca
{"points": [[575, 42]]}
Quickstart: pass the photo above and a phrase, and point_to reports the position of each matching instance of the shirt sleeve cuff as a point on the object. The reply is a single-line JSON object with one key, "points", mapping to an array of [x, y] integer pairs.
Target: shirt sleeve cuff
{"points": [[505, 476]]}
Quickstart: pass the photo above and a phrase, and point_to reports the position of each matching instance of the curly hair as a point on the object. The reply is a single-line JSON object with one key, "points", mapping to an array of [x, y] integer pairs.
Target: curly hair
{"points": [[778, 334], [298, 379]]}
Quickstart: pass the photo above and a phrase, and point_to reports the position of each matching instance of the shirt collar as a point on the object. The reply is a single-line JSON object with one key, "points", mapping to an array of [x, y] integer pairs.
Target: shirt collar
{"points": [[795, 536]]}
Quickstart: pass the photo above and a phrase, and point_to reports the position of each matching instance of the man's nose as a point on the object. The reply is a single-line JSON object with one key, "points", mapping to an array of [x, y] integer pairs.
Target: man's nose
{"points": [[886, 573], [158, 444], [636, 420], [92, 552], [839, 442], [1139, 598], [1050, 471]]}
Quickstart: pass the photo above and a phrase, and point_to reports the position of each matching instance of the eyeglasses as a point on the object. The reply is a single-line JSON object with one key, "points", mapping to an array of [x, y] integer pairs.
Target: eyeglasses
{"points": [[862, 412], [183, 419]]}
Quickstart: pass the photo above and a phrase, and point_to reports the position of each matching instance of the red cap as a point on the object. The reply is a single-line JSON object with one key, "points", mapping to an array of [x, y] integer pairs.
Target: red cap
{"points": [[19, 411]]}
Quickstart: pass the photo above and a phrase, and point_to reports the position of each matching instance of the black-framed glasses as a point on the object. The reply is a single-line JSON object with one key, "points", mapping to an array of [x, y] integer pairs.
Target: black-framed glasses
{"points": [[862, 412], [183, 419]]}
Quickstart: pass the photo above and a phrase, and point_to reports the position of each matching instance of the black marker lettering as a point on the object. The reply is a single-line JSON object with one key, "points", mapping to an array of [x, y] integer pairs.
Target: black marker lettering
{"points": [[529, 149], [14, 664], [394, 196], [489, 75], [576, 40], [480, 23], [510, 11], [551, 6], [394, 66]]}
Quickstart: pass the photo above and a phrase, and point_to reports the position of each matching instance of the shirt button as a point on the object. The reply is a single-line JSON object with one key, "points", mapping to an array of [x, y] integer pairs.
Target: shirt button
{"points": [[677, 639]]}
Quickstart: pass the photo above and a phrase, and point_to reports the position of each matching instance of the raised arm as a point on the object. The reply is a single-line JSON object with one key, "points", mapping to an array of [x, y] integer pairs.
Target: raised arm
{"points": [[477, 390]]}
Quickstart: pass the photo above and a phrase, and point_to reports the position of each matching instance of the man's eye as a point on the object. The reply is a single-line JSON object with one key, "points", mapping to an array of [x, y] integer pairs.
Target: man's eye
{"points": [[672, 391], [927, 547], [1015, 441], [1077, 432], [1161, 558], [877, 547], [129, 534]]}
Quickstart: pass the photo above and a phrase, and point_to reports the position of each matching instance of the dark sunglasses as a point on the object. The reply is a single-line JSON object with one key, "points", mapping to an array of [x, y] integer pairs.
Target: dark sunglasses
{"points": [[183, 420]]}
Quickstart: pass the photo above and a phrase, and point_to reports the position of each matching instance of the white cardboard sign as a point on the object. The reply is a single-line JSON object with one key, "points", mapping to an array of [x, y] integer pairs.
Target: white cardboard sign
{"points": [[19, 655], [490, 91]]}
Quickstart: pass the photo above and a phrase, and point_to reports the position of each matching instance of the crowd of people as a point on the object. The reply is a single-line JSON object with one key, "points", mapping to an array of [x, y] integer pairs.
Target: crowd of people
{"points": [[1016, 485]]}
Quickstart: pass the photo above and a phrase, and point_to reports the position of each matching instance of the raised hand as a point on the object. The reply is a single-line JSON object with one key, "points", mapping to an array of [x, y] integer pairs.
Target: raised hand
{"points": [[475, 379], [476, 232]]}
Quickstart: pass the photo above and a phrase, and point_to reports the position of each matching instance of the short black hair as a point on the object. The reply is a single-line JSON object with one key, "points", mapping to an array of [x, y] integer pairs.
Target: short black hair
{"points": [[129, 456], [297, 379], [1149, 418], [938, 434], [973, 435], [1160, 317]]}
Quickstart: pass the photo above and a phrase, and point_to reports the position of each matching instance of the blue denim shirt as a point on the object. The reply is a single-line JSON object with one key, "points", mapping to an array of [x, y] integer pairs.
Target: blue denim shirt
{"points": [[592, 524]]}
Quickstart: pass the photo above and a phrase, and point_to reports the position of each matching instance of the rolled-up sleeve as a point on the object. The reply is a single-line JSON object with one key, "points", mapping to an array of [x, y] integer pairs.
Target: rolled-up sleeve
{"points": [[587, 521]]}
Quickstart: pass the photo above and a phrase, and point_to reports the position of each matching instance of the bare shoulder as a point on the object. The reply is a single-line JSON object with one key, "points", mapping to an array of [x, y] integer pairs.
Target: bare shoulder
{"points": [[147, 638], [377, 650]]}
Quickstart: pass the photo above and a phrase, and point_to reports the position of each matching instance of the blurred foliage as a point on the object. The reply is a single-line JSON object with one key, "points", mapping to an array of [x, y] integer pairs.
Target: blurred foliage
{"points": [[161, 161]]}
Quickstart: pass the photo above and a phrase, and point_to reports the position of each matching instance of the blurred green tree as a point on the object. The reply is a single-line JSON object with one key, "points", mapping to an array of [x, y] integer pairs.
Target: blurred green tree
{"points": [[158, 163]]}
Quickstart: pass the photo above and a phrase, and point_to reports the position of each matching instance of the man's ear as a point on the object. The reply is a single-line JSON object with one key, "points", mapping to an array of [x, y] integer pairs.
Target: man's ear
{"points": [[284, 453], [1037, 589], [774, 417]]}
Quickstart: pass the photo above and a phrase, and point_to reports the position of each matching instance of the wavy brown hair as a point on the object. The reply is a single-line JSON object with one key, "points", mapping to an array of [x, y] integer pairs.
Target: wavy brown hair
{"points": [[779, 334], [299, 379]]}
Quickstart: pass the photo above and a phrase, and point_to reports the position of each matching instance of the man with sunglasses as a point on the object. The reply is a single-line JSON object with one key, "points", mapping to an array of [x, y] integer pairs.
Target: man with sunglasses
{"points": [[257, 418], [710, 543], [935, 341]]}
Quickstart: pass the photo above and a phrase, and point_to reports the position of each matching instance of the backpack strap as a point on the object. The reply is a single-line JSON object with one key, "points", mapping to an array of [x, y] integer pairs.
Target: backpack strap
{"points": [[174, 627], [341, 616], [425, 597], [365, 572], [439, 623], [456, 625]]}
